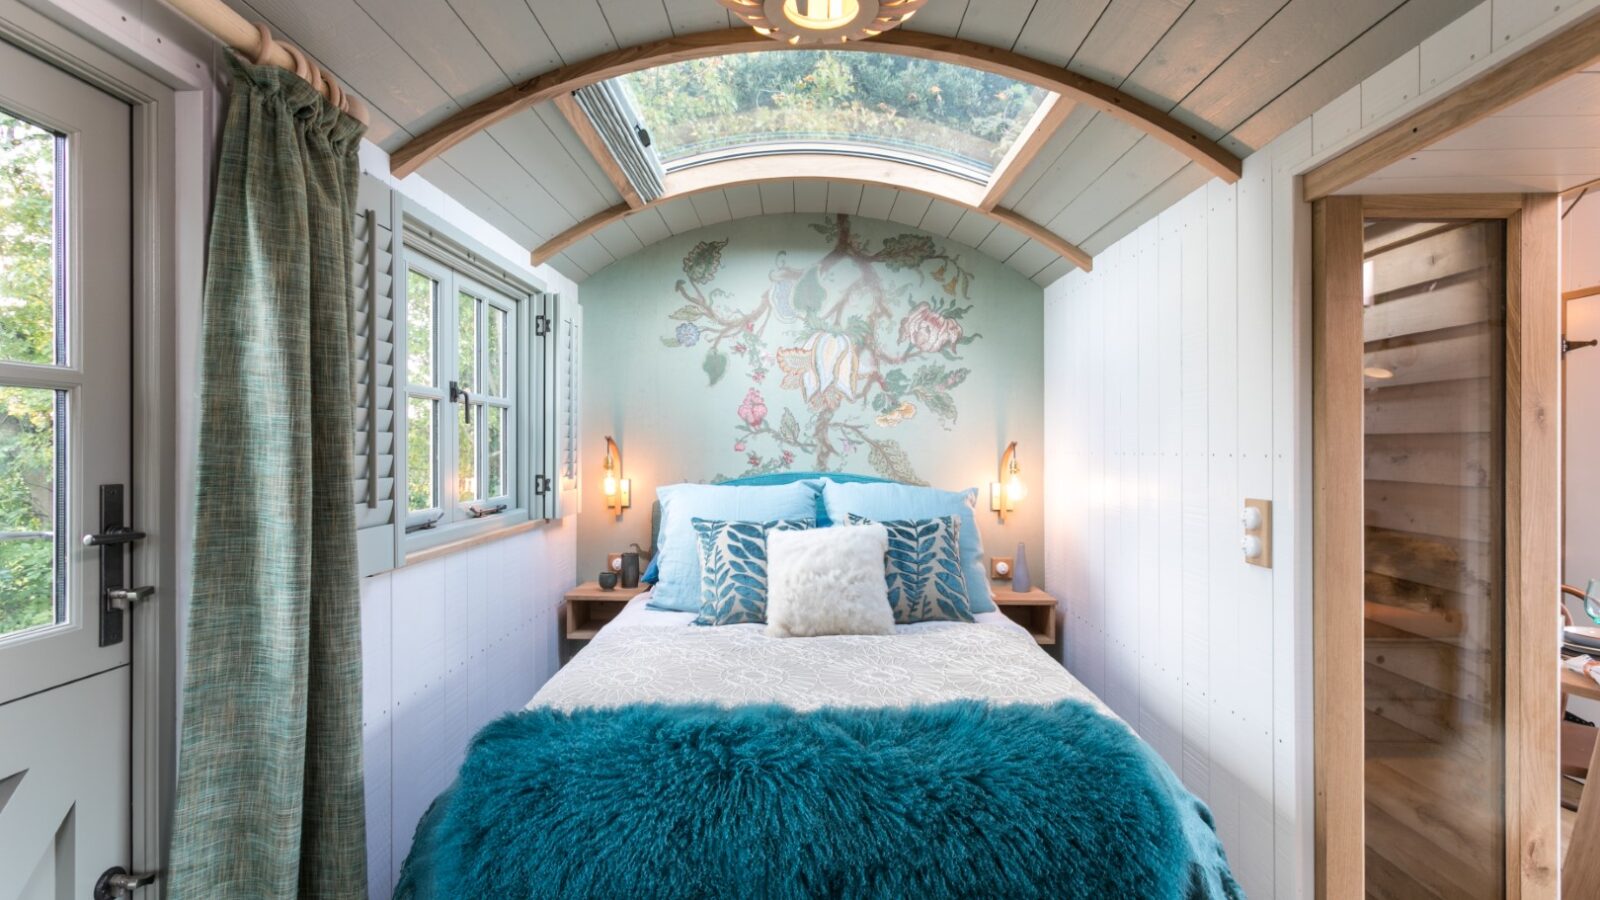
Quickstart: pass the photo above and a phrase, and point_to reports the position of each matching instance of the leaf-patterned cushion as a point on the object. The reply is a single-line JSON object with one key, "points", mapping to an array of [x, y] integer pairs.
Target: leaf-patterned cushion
{"points": [[733, 568], [923, 568]]}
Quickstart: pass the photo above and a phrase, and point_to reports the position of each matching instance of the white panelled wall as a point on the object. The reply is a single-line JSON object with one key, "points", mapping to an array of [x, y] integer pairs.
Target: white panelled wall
{"points": [[447, 646], [1171, 395]]}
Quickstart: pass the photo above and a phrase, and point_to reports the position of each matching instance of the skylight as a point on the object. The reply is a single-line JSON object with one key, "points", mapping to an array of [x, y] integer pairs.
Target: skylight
{"points": [[942, 116]]}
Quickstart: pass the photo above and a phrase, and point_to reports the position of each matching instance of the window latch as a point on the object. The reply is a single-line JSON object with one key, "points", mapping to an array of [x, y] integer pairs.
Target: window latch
{"points": [[461, 395], [483, 512]]}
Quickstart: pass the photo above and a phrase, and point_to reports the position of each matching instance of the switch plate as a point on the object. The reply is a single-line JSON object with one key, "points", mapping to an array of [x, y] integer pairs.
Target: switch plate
{"points": [[1262, 532], [995, 563]]}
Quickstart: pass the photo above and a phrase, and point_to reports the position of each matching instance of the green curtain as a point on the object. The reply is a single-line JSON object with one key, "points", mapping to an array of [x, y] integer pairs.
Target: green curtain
{"points": [[270, 800]]}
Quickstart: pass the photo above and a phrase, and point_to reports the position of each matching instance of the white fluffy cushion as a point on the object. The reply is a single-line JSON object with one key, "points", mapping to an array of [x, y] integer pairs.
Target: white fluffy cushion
{"points": [[828, 581]]}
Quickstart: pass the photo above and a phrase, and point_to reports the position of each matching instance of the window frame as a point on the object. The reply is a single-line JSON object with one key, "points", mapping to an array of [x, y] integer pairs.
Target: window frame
{"points": [[458, 269]]}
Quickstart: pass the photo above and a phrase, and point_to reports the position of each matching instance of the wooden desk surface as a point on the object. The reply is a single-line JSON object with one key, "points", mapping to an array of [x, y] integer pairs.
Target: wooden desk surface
{"points": [[1578, 684]]}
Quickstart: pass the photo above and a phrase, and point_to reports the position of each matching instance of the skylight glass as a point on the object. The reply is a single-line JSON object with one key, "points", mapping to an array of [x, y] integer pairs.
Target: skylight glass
{"points": [[935, 114]]}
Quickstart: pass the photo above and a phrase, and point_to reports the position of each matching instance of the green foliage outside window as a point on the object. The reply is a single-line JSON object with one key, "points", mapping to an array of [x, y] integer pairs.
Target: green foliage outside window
{"points": [[27, 334], [952, 112]]}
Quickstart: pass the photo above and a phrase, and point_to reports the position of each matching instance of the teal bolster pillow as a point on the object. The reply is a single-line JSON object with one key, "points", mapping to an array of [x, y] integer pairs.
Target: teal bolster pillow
{"points": [[923, 570], [890, 502], [678, 551], [733, 569]]}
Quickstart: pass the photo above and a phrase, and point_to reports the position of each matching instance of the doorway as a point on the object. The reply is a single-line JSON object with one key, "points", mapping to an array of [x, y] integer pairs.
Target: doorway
{"points": [[1435, 382], [66, 472]]}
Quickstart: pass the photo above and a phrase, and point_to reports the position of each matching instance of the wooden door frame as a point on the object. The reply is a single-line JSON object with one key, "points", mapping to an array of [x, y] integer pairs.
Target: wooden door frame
{"points": [[1532, 487]]}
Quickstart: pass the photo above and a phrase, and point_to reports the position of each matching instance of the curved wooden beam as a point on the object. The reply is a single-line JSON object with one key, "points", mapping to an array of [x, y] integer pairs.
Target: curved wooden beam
{"points": [[821, 167], [921, 45]]}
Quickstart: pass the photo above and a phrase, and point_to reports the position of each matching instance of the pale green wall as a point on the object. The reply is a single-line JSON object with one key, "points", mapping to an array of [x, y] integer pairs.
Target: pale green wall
{"points": [[673, 425]]}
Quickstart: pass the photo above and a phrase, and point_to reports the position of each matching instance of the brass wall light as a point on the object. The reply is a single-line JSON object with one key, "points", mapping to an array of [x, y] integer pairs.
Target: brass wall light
{"points": [[618, 491], [1004, 494]]}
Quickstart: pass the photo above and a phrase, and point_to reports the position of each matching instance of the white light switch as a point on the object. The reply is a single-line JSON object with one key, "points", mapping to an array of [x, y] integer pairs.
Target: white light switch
{"points": [[1256, 545]]}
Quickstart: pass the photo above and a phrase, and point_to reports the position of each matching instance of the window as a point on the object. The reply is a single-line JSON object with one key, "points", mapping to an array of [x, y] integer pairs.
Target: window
{"points": [[939, 115], [33, 449], [466, 356]]}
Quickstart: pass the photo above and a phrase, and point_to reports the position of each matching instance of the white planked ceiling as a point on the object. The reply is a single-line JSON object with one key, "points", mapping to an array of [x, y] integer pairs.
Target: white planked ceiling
{"points": [[1239, 71], [1549, 142]]}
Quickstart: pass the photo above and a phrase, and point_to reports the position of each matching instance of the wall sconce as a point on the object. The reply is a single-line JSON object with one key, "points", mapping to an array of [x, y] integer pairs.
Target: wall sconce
{"points": [[1004, 494], [618, 491]]}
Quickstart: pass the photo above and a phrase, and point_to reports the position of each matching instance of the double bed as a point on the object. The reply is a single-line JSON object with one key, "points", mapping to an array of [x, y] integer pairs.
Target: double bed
{"points": [[945, 759]]}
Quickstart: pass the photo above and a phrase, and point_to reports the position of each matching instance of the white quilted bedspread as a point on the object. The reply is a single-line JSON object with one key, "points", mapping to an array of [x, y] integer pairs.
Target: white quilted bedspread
{"points": [[738, 664]]}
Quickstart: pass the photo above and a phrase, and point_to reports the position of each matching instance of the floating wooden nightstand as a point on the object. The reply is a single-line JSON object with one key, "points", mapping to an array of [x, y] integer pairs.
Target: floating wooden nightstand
{"points": [[1034, 610], [588, 608]]}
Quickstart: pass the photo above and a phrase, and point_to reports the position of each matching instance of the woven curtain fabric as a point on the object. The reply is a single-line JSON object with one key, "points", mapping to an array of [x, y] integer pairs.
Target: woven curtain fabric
{"points": [[270, 799]]}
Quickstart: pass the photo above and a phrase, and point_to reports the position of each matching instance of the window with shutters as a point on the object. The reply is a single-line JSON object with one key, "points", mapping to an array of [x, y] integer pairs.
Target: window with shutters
{"points": [[464, 388], [470, 434]]}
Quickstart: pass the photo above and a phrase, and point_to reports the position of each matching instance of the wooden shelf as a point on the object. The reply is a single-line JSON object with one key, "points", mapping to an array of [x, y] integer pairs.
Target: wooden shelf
{"points": [[1034, 610], [589, 608]]}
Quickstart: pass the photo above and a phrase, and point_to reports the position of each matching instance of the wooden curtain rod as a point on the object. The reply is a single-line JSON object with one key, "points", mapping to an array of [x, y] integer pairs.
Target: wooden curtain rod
{"points": [[247, 38]]}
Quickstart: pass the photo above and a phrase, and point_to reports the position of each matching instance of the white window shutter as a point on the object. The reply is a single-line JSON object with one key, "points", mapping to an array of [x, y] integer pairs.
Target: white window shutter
{"points": [[376, 379], [568, 424]]}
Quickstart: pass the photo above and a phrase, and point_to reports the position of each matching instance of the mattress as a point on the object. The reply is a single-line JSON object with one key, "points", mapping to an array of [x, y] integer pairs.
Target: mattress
{"points": [[651, 656]]}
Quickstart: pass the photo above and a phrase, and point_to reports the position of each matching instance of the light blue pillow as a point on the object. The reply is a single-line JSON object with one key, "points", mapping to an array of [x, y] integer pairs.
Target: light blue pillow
{"points": [[679, 555], [733, 569], [899, 502], [923, 570]]}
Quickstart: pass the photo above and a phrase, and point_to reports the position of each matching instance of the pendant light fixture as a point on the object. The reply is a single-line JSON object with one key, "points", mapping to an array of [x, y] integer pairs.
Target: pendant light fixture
{"points": [[822, 21]]}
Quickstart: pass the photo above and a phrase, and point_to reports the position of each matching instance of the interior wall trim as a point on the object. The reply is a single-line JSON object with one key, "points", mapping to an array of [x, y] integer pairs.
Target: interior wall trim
{"points": [[564, 80], [821, 167], [1569, 50]]}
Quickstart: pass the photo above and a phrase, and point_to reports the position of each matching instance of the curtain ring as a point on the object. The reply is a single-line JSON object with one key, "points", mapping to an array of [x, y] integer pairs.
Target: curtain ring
{"points": [[299, 62], [264, 44], [335, 94]]}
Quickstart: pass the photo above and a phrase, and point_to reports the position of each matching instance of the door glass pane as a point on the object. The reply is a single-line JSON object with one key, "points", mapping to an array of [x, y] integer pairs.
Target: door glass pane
{"points": [[32, 551], [497, 351], [1434, 325], [494, 424], [467, 457], [466, 363], [30, 302], [421, 434], [422, 295]]}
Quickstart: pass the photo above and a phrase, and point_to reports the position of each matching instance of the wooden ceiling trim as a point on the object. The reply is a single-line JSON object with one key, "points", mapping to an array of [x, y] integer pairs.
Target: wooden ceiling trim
{"points": [[1045, 123], [596, 145], [821, 168], [1569, 50], [838, 167], [922, 45]]}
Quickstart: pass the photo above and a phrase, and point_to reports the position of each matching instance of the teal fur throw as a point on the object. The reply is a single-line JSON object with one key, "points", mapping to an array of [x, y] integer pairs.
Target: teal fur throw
{"points": [[961, 799]]}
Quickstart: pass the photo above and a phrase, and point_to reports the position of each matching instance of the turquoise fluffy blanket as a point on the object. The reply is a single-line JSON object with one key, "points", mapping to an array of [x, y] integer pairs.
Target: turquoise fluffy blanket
{"points": [[962, 799]]}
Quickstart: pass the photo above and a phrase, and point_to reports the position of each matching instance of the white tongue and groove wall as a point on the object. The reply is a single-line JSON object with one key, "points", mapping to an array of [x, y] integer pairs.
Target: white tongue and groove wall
{"points": [[1178, 385]]}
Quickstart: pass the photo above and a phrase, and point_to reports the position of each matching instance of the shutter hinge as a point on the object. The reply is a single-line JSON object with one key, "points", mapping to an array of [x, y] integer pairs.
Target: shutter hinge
{"points": [[541, 325], [541, 485]]}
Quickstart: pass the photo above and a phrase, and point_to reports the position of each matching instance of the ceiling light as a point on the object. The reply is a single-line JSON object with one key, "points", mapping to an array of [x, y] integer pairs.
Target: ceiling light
{"points": [[822, 21]]}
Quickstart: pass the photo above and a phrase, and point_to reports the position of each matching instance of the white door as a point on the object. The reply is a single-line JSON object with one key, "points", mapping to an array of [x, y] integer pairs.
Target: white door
{"points": [[65, 397]]}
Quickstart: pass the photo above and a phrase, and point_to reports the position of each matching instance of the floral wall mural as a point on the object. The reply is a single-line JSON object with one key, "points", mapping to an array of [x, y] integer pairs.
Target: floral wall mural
{"points": [[808, 343], [864, 335]]}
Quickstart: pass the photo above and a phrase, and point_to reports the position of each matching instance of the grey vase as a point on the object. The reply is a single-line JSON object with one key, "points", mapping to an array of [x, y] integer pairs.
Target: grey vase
{"points": [[1021, 581]]}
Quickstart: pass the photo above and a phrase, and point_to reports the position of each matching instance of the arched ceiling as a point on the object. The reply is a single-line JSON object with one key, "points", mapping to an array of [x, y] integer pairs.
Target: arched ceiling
{"points": [[1233, 73]]}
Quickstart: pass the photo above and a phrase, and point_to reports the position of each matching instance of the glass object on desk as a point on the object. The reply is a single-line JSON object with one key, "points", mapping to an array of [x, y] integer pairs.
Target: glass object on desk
{"points": [[1591, 600]]}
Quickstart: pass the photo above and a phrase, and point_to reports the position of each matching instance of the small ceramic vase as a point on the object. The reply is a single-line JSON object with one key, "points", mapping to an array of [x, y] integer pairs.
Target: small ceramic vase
{"points": [[1021, 580], [608, 581]]}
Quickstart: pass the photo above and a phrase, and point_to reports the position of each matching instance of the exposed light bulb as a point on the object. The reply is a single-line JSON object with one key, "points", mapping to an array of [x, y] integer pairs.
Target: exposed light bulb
{"points": [[611, 485], [1015, 489]]}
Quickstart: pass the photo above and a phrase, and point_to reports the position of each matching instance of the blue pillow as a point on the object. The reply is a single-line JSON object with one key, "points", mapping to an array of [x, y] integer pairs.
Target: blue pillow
{"points": [[899, 502], [923, 570], [652, 571], [733, 569], [678, 556]]}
